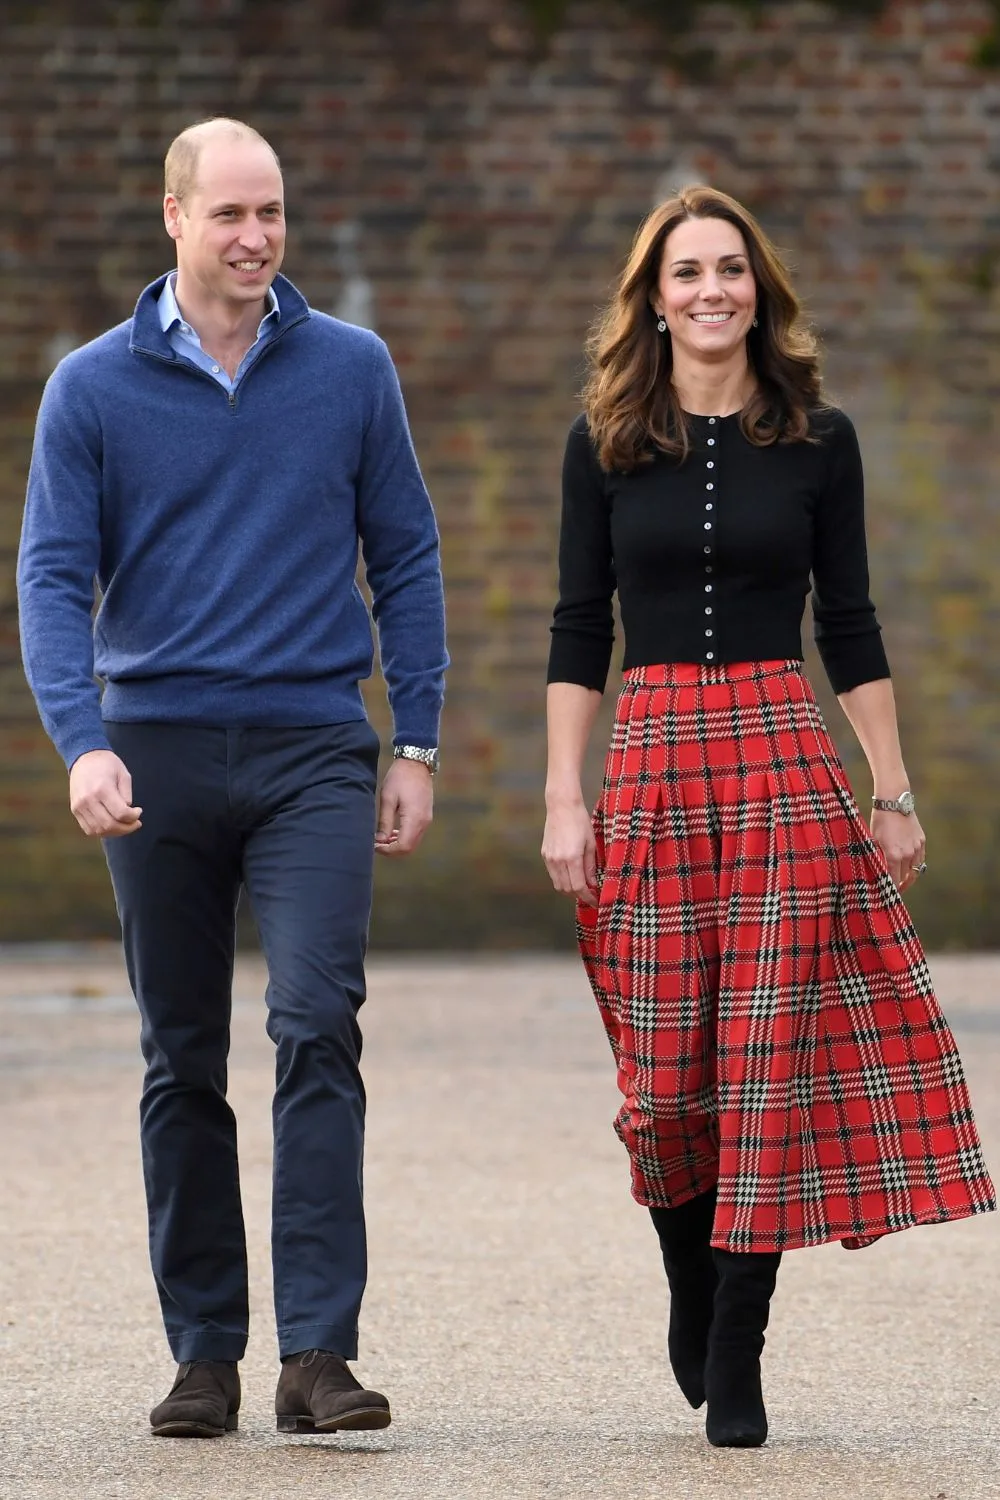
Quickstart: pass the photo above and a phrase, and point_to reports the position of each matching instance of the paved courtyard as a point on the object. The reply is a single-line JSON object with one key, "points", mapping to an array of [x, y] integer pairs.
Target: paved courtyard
{"points": [[516, 1307]]}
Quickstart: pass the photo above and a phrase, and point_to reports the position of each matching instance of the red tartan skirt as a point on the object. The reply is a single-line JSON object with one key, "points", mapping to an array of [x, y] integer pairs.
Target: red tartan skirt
{"points": [[766, 998]]}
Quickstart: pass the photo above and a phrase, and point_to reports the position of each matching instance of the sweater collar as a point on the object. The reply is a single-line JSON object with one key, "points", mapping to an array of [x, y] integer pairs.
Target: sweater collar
{"points": [[148, 337]]}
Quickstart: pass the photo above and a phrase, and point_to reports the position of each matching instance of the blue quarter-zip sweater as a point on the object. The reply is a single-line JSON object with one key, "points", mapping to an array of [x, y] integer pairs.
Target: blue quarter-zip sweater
{"points": [[223, 530]]}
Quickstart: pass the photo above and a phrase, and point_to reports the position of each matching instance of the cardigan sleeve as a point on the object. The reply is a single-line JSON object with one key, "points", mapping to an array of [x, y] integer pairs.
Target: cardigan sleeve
{"points": [[847, 632], [583, 624]]}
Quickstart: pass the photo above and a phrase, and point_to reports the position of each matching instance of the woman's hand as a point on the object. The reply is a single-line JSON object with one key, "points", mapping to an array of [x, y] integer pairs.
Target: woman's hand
{"points": [[569, 850], [902, 841]]}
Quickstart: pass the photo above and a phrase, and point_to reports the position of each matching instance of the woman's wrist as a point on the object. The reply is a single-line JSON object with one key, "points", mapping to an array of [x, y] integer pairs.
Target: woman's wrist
{"points": [[559, 794], [890, 784]]}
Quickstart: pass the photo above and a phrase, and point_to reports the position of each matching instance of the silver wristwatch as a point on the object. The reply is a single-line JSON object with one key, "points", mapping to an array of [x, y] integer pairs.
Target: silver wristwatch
{"points": [[904, 803], [428, 758]]}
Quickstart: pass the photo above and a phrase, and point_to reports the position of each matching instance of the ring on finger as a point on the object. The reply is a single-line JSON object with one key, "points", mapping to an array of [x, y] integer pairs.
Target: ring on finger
{"points": [[919, 869]]}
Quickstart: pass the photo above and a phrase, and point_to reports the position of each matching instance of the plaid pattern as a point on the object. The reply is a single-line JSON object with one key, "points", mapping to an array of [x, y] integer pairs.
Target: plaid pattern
{"points": [[766, 998]]}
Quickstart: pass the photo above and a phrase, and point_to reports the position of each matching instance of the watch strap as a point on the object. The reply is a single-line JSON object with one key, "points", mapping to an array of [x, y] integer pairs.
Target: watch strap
{"points": [[426, 757], [901, 804]]}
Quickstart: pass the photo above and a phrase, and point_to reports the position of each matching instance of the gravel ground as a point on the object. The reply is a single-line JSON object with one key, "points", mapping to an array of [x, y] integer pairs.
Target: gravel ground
{"points": [[516, 1307]]}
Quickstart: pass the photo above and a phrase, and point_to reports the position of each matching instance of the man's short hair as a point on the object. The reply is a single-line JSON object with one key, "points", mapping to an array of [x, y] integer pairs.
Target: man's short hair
{"points": [[180, 168]]}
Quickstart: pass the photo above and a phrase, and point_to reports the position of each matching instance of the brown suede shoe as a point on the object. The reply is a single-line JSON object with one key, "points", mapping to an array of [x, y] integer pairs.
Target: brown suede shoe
{"points": [[317, 1393], [203, 1401]]}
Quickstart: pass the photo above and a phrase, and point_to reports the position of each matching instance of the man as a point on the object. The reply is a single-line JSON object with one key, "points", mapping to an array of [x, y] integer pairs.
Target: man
{"points": [[213, 463]]}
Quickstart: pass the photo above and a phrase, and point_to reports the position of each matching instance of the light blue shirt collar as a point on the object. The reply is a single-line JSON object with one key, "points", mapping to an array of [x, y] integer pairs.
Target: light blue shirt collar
{"points": [[184, 340], [171, 315]]}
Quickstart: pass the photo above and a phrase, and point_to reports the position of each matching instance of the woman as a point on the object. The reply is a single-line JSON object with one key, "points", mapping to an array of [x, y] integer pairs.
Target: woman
{"points": [[788, 1078]]}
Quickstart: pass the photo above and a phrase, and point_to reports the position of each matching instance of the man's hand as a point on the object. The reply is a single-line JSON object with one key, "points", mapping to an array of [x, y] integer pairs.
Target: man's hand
{"points": [[100, 796], [405, 807]]}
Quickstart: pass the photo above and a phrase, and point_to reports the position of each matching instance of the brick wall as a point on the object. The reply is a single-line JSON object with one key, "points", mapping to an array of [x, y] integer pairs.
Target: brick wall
{"points": [[470, 192]]}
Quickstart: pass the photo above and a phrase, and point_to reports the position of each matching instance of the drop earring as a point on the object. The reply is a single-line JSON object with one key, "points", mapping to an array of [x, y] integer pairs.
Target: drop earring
{"points": [[755, 323], [661, 324]]}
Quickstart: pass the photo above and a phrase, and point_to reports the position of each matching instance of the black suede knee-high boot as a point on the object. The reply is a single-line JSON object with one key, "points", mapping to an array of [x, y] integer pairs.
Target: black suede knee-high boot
{"points": [[684, 1235], [736, 1415]]}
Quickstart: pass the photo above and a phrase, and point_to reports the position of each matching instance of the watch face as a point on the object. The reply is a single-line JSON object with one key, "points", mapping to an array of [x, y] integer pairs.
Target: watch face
{"points": [[906, 803]]}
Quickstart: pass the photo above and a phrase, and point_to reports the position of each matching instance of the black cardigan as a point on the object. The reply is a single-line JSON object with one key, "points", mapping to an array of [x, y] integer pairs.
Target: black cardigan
{"points": [[712, 558]]}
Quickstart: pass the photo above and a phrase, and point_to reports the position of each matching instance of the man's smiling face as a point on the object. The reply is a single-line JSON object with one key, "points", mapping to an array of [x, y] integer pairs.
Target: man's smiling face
{"points": [[230, 227]]}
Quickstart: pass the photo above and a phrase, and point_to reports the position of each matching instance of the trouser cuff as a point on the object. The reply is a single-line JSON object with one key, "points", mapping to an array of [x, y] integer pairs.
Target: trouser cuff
{"points": [[214, 1344], [302, 1336]]}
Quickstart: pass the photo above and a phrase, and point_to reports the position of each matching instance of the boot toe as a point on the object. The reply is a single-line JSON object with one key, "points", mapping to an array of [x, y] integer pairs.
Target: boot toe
{"points": [[192, 1426], [736, 1434], [369, 1415], [690, 1378]]}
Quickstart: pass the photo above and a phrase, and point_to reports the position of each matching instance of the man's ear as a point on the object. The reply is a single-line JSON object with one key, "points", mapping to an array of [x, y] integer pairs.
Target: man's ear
{"points": [[172, 216]]}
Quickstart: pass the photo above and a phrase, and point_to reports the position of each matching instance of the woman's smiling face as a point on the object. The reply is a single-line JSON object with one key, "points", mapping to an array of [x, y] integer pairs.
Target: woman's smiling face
{"points": [[706, 290]]}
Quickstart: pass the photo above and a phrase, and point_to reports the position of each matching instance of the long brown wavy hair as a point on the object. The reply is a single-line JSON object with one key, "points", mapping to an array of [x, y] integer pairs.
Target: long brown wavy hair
{"points": [[630, 400]]}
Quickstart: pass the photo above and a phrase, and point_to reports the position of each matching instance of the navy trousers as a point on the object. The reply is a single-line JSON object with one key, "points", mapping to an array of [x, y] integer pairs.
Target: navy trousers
{"points": [[290, 815]]}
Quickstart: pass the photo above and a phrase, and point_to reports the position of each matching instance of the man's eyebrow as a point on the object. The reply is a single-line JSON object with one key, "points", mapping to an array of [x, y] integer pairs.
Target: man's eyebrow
{"points": [[218, 208]]}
